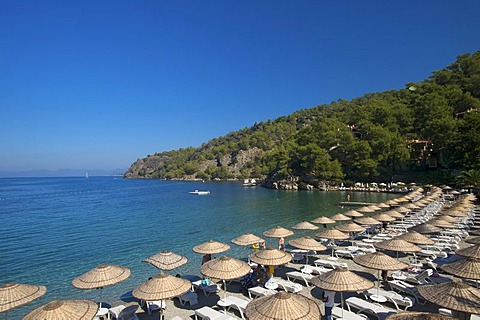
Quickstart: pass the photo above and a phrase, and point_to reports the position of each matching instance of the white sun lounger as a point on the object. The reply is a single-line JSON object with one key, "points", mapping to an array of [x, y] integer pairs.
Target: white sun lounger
{"points": [[369, 307], [260, 292], [407, 288], [347, 315], [394, 297], [211, 314], [288, 286], [297, 275], [329, 264], [315, 270], [234, 302], [212, 288]]}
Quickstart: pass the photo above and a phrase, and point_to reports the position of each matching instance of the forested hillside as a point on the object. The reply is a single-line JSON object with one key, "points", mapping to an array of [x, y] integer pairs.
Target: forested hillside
{"points": [[429, 130]]}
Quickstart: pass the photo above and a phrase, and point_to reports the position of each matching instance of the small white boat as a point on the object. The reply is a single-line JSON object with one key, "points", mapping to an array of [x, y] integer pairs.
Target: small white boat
{"points": [[200, 193], [249, 183]]}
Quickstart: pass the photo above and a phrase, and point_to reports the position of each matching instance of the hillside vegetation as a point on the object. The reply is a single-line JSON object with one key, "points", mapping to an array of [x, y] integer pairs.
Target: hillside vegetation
{"points": [[426, 131]]}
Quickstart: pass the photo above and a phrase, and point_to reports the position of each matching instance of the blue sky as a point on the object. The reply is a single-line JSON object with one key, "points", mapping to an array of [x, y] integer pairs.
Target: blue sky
{"points": [[98, 84]]}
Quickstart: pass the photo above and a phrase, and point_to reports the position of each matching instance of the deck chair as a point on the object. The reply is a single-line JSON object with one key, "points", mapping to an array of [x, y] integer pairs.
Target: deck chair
{"points": [[190, 297], [208, 313], [393, 297], [347, 315], [314, 270], [212, 288], [234, 302], [407, 288], [124, 313], [288, 286], [260, 292], [300, 276], [374, 309], [421, 278]]}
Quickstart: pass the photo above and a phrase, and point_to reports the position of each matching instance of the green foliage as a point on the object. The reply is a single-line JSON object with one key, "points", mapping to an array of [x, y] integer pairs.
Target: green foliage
{"points": [[375, 136]]}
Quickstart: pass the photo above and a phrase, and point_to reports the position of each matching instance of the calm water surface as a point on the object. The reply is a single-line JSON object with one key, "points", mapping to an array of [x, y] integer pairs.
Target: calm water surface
{"points": [[54, 229]]}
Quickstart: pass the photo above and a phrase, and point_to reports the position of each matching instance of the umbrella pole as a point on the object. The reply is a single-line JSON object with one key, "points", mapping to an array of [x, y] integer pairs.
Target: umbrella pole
{"points": [[224, 290], [341, 302], [378, 283]]}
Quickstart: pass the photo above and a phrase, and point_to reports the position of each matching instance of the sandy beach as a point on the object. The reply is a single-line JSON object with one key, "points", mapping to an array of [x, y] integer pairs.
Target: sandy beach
{"points": [[175, 309]]}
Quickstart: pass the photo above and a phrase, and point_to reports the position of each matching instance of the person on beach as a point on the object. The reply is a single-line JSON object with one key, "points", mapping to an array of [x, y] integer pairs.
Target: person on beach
{"points": [[329, 300], [348, 198], [262, 245], [206, 258], [281, 244]]}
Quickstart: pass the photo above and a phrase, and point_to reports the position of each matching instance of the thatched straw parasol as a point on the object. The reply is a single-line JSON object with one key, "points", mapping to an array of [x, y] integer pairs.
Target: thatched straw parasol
{"points": [[394, 214], [211, 247], [368, 221], [13, 295], [100, 277], [397, 245], [332, 234], [162, 286], [402, 210], [365, 209], [374, 208], [247, 239], [465, 268], [407, 315], [166, 260], [383, 205], [383, 217], [442, 223], [278, 232], [340, 217], [65, 309], [305, 225], [470, 252], [473, 240], [307, 243], [416, 238], [225, 268], [323, 220], [342, 280], [271, 257], [283, 306], [425, 228], [448, 218], [452, 295], [350, 227], [379, 261], [353, 214]]}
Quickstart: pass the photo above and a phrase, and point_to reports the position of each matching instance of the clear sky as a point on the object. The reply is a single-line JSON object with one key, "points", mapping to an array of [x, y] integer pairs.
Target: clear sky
{"points": [[98, 84]]}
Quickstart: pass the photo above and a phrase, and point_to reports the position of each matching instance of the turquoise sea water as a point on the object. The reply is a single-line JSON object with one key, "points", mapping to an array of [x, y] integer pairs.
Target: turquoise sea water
{"points": [[54, 229]]}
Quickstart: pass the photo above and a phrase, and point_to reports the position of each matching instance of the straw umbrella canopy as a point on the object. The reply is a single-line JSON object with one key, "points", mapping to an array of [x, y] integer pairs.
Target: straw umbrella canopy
{"points": [[402, 210], [342, 280], [442, 223], [65, 309], [368, 221], [411, 206], [416, 238], [374, 208], [365, 209], [211, 247], [13, 295], [353, 214], [455, 213], [394, 214], [383, 205], [283, 306], [379, 261], [350, 227], [448, 218], [247, 239], [474, 240], [382, 217], [162, 286], [392, 202], [271, 257], [100, 277], [425, 228], [323, 220], [166, 260], [470, 252], [307, 243], [453, 295], [305, 225], [466, 268], [397, 245], [332, 234], [278, 232], [408, 315], [340, 217], [225, 268]]}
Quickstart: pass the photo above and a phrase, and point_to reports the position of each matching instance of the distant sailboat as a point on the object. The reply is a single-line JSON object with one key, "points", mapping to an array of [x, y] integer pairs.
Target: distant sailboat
{"points": [[86, 175]]}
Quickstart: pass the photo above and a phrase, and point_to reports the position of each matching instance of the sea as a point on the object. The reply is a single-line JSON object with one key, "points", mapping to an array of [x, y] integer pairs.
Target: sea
{"points": [[55, 229]]}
